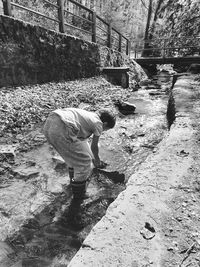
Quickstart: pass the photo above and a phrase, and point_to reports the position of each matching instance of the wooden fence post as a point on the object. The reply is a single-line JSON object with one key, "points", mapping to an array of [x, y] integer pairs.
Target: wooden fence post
{"points": [[7, 8], [61, 15], [127, 47], [94, 35], [109, 36], [164, 45], [136, 51], [120, 43]]}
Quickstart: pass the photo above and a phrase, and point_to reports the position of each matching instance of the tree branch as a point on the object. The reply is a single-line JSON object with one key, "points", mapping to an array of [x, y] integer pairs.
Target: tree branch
{"points": [[144, 4]]}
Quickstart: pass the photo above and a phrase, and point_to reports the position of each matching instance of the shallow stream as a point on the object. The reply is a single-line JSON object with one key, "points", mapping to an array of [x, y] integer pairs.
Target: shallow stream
{"points": [[53, 234]]}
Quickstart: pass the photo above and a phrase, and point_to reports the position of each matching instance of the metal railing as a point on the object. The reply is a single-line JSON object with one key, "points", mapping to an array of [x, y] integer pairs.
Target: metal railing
{"points": [[89, 23], [168, 47]]}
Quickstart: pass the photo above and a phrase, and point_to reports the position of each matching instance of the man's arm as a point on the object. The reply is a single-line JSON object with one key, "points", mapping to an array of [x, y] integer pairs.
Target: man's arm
{"points": [[95, 150]]}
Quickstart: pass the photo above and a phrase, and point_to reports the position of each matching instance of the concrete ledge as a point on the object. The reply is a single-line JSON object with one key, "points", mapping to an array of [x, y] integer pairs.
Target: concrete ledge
{"points": [[116, 70], [117, 75], [121, 237]]}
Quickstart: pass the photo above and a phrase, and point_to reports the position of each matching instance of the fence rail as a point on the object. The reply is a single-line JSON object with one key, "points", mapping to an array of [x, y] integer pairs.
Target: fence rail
{"points": [[97, 33], [161, 47]]}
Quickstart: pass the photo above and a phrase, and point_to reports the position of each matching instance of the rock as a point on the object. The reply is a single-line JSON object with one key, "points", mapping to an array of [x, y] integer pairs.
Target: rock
{"points": [[183, 153], [30, 163], [125, 108], [145, 82], [2, 170], [84, 106], [19, 137], [194, 68], [155, 93], [7, 152], [59, 162], [39, 137], [179, 219], [26, 172], [114, 176], [148, 231], [141, 134]]}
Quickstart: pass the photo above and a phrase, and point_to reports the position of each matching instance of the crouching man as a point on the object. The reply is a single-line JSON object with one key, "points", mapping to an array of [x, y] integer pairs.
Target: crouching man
{"points": [[68, 130]]}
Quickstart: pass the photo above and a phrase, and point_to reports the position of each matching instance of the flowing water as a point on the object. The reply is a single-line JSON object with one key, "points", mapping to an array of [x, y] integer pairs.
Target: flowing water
{"points": [[55, 233]]}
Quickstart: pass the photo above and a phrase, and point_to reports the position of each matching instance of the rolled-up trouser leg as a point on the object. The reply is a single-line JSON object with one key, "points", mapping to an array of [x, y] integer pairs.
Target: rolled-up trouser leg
{"points": [[82, 156]]}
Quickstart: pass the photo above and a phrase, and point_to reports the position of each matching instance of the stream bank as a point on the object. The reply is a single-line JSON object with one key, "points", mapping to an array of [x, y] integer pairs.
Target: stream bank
{"points": [[41, 225], [155, 220]]}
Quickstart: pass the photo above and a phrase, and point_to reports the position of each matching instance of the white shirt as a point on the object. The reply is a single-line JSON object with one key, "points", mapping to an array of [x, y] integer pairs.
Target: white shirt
{"points": [[85, 122]]}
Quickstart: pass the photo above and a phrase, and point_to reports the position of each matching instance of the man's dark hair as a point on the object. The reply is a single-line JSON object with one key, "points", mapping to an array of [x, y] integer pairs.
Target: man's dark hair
{"points": [[107, 116]]}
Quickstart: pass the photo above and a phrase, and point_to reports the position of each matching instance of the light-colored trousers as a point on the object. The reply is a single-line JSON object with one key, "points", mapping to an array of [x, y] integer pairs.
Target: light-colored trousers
{"points": [[76, 153]]}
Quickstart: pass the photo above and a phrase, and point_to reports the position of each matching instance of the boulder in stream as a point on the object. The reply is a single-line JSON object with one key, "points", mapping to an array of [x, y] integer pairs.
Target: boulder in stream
{"points": [[194, 68], [125, 108]]}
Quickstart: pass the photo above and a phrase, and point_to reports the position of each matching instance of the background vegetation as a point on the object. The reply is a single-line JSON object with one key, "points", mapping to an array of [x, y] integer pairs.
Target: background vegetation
{"points": [[179, 23], [174, 20]]}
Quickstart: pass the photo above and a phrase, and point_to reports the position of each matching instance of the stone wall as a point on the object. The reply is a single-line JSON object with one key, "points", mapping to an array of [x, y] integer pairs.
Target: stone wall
{"points": [[30, 54], [109, 57]]}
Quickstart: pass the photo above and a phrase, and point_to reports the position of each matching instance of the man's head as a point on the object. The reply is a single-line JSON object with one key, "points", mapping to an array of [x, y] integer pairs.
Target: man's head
{"points": [[108, 118]]}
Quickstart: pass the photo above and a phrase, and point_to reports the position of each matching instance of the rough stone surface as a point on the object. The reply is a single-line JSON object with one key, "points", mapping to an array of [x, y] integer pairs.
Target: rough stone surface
{"points": [[26, 172], [135, 230], [32, 54], [7, 152]]}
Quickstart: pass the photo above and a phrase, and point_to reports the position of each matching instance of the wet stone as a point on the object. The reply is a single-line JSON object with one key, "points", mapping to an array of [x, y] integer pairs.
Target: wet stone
{"points": [[59, 162], [155, 92], [25, 172], [7, 152], [126, 108], [39, 137], [2, 170], [114, 176]]}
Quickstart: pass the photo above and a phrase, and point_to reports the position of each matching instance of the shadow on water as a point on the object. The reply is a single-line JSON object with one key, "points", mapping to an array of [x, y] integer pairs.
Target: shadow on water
{"points": [[53, 236], [62, 226]]}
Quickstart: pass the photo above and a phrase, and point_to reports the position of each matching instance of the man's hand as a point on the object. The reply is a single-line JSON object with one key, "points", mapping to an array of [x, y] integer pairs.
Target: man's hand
{"points": [[99, 164]]}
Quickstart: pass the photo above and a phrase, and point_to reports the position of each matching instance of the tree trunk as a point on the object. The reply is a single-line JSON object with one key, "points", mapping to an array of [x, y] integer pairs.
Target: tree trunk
{"points": [[155, 18], [146, 44]]}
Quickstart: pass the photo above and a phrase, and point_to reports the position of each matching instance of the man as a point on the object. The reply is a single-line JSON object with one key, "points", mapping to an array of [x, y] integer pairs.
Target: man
{"points": [[68, 130]]}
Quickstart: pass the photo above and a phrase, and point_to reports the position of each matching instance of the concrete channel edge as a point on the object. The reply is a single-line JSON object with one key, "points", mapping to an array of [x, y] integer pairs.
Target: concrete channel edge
{"points": [[129, 233]]}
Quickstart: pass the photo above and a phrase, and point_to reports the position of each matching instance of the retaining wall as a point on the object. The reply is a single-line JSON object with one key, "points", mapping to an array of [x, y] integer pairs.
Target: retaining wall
{"points": [[31, 54]]}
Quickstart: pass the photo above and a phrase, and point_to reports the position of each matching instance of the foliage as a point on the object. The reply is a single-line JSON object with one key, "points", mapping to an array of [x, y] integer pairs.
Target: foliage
{"points": [[179, 23], [127, 16], [24, 106], [38, 6]]}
